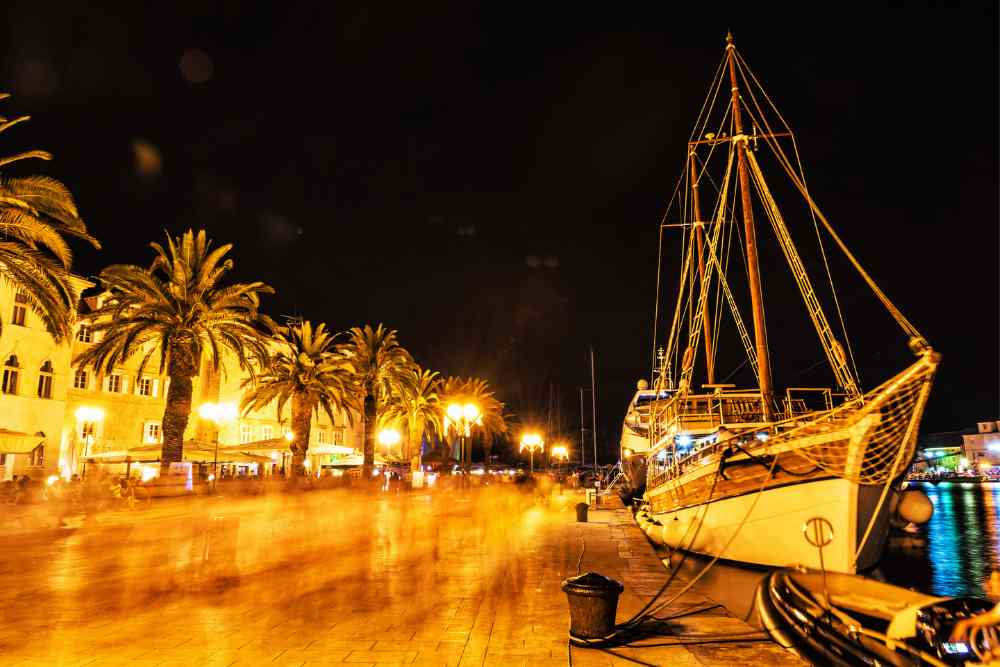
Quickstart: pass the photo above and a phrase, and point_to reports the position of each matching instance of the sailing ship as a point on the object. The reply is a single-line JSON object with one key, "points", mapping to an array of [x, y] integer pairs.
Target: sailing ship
{"points": [[736, 472]]}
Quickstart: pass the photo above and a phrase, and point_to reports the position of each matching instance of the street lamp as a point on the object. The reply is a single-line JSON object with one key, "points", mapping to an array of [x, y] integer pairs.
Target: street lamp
{"points": [[463, 416], [219, 414], [389, 438], [532, 442], [560, 453], [88, 418]]}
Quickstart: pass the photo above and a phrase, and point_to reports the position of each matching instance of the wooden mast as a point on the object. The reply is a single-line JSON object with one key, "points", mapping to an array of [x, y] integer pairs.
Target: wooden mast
{"points": [[760, 333], [700, 240]]}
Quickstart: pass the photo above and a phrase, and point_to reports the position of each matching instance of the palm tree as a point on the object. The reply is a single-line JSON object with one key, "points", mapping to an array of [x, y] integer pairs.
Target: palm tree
{"points": [[382, 369], [492, 421], [307, 370], [418, 409], [178, 307], [36, 212]]}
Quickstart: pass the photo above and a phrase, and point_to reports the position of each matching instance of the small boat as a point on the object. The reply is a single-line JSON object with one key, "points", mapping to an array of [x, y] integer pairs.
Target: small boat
{"points": [[844, 619], [734, 470]]}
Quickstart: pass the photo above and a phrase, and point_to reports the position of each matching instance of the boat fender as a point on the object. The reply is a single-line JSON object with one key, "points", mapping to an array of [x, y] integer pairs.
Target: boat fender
{"points": [[914, 506]]}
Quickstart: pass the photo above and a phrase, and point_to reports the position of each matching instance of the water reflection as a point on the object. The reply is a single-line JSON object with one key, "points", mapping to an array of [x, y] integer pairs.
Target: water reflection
{"points": [[959, 547]]}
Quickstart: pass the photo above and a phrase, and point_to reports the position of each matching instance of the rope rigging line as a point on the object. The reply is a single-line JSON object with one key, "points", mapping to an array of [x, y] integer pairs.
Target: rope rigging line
{"points": [[694, 330], [839, 363], [744, 69], [701, 124], [659, 275], [901, 320]]}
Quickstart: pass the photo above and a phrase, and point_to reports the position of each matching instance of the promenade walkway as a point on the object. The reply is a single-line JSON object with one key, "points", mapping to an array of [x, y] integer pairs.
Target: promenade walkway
{"points": [[340, 577]]}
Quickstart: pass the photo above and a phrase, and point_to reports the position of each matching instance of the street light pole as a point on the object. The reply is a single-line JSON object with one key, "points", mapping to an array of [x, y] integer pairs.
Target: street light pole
{"points": [[218, 414]]}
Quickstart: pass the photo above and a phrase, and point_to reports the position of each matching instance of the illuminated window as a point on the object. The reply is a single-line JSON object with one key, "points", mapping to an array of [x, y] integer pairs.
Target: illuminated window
{"points": [[323, 437], [266, 432], [246, 433], [37, 457], [115, 383], [152, 433], [144, 386], [338, 436], [45, 381], [10, 375], [85, 334], [20, 308], [80, 379]]}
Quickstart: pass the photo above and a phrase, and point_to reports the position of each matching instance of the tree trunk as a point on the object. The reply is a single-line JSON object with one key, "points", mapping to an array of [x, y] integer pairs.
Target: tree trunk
{"points": [[369, 422], [301, 426], [183, 366], [414, 444]]}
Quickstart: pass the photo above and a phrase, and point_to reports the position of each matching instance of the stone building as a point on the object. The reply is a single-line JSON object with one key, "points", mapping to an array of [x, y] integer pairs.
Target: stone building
{"points": [[56, 417]]}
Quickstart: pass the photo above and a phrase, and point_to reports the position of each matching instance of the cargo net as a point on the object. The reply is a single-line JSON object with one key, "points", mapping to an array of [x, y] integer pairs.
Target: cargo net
{"points": [[869, 440]]}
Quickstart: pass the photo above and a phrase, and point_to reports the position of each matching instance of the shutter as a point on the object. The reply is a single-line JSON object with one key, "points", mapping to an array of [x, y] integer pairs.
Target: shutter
{"points": [[107, 382], [124, 384], [156, 387]]}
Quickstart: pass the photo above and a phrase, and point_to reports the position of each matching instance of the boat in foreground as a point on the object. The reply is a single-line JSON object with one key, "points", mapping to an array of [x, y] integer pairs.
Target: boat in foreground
{"points": [[842, 619], [736, 472]]}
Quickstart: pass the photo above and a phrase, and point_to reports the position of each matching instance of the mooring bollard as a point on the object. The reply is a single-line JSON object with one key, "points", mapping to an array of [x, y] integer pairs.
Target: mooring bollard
{"points": [[593, 605], [581, 512]]}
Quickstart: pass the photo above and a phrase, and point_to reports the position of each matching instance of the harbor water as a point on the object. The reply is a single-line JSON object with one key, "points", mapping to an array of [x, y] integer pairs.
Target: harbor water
{"points": [[951, 555]]}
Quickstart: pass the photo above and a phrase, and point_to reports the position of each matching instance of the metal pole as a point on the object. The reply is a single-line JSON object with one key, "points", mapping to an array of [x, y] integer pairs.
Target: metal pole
{"points": [[583, 441], [593, 405]]}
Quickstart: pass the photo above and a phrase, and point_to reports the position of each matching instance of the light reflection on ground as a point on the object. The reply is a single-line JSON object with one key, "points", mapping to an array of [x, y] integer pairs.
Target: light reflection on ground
{"points": [[129, 582]]}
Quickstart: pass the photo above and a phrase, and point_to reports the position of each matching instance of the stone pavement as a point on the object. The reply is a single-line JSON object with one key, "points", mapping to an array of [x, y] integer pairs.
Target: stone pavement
{"points": [[340, 577]]}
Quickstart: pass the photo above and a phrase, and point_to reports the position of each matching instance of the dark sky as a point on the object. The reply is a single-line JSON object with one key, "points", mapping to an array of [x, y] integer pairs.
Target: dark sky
{"points": [[488, 178]]}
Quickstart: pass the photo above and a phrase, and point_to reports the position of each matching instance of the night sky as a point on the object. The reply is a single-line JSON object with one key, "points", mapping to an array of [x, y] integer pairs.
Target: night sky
{"points": [[489, 179]]}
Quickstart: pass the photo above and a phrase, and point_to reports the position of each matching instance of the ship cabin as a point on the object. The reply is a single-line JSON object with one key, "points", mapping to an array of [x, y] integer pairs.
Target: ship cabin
{"points": [[635, 429], [692, 427]]}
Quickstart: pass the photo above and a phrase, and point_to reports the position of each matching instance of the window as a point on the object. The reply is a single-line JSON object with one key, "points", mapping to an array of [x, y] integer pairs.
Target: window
{"points": [[37, 457], [338, 436], [323, 437], [80, 380], [152, 433], [85, 334], [20, 308], [115, 383], [266, 432], [144, 386], [246, 433], [10, 375], [45, 381]]}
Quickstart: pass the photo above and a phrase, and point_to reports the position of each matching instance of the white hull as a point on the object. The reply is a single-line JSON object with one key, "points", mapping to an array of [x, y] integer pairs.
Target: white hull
{"points": [[773, 532]]}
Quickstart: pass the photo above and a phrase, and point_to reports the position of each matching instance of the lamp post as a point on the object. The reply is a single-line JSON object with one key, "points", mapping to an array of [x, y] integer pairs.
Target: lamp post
{"points": [[88, 418], [463, 416], [532, 442], [218, 414], [560, 453], [389, 438]]}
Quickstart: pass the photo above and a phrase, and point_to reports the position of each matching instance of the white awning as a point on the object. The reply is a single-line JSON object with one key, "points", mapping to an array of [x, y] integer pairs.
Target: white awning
{"points": [[15, 442]]}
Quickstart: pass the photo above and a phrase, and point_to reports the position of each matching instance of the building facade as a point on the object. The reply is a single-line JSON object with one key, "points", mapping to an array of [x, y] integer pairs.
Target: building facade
{"points": [[56, 418], [982, 449]]}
